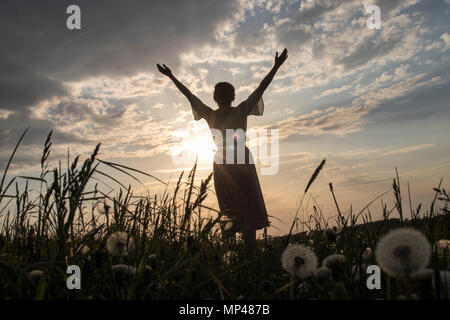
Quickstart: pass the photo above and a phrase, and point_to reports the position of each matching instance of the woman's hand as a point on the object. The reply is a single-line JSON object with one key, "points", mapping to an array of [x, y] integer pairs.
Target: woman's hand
{"points": [[164, 70], [279, 60]]}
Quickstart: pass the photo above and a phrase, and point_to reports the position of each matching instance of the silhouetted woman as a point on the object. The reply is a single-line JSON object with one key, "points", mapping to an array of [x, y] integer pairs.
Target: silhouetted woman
{"points": [[237, 185]]}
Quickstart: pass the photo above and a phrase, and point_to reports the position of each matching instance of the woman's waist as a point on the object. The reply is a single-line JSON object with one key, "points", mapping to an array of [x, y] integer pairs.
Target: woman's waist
{"points": [[233, 155]]}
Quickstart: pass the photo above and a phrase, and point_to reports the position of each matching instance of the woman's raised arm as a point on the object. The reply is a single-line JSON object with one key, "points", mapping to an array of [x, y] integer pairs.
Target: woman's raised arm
{"points": [[199, 109], [167, 72], [254, 104], [279, 60]]}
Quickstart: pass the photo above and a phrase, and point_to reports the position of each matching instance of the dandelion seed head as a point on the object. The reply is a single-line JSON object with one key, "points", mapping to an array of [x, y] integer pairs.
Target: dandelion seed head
{"points": [[35, 275], [334, 261], [403, 251], [124, 269], [299, 261], [323, 273], [118, 244]]}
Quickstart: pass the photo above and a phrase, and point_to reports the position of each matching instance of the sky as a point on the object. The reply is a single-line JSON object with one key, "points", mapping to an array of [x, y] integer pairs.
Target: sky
{"points": [[367, 100]]}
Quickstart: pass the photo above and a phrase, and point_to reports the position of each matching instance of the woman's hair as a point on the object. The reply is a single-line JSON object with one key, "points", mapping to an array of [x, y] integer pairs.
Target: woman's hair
{"points": [[224, 93]]}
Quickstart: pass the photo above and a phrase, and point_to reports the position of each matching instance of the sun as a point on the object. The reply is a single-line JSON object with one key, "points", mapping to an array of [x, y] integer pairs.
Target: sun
{"points": [[194, 145], [202, 147]]}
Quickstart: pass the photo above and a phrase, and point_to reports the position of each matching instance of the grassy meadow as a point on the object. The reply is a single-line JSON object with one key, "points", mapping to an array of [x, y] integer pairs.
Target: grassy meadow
{"points": [[171, 246]]}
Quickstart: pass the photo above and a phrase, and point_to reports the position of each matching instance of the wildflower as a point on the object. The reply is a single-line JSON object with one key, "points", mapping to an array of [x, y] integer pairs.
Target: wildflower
{"points": [[118, 244], [367, 255], [442, 247], [334, 261], [403, 251], [323, 273], [124, 269], [299, 261], [229, 257], [35, 275]]}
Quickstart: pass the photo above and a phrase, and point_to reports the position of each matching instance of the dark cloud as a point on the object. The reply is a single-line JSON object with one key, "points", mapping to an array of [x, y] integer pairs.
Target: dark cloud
{"points": [[117, 38], [251, 34], [421, 104], [12, 128], [370, 50], [23, 90], [291, 34]]}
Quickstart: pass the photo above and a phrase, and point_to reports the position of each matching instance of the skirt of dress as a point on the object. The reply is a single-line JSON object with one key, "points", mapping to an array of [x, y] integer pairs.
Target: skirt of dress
{"points": [[240, 197]]}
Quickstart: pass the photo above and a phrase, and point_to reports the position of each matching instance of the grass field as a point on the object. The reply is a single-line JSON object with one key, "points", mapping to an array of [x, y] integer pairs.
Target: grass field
{"points": [[171, 247]]}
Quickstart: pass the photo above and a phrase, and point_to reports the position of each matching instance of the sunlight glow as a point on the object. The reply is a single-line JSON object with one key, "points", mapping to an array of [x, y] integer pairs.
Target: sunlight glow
{"points": [[196, 144]]}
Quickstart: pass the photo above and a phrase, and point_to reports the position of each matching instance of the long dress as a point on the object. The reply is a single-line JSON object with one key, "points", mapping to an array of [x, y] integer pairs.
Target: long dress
{"points": [[237, 185]]}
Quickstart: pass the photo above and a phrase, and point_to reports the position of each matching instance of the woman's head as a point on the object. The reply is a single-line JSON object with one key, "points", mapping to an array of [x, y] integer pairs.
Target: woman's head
{"points": [[224, 93]]}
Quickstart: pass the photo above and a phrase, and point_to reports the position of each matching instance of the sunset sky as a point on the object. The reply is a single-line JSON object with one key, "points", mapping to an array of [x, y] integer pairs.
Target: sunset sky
{"points": [[367, 100]]}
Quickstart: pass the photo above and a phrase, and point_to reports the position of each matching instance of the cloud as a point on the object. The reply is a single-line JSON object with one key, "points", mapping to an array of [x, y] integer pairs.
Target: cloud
{"points": [[369, 50], [117, 39], [344, 120], [360, 179], [333, 120], [406, 150], [333, 91], [293, 35], [311, 11], [445, 37], [399, 89]]}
